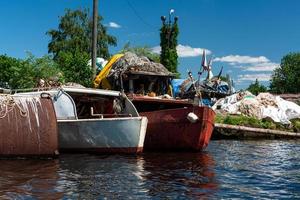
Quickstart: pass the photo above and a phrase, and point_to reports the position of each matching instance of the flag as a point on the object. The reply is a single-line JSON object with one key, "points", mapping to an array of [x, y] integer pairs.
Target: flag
{"points": [[220, 73], [204, 62], [210, 64]]}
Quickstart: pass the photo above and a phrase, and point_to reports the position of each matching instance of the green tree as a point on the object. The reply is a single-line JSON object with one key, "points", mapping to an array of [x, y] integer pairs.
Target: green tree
{"points": [[7, 65], [16, 73], [75, 67], [141, 51], [74, 34], [168, 43], [71, 45], [19, 74], [46, 69], [286, 78], [256, 88]]}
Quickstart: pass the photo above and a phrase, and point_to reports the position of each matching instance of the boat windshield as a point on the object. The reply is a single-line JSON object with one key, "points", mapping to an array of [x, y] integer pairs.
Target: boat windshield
{"points": [[97, 106]]}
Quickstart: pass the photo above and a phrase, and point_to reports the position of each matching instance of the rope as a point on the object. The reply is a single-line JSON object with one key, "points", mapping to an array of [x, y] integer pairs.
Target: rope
{"points": [[7, 104]]}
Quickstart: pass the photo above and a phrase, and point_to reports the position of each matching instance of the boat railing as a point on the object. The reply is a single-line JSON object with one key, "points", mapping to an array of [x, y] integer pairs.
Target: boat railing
{"points": [[14, 91], [114, 115]]}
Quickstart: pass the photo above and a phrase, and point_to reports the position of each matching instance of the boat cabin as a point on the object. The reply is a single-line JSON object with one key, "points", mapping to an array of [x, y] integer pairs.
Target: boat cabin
{"points": [[85, 103]]}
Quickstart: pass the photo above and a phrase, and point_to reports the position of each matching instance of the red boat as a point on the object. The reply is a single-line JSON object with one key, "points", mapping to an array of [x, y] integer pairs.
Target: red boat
{"points": [[173, 124], [169, 127]]}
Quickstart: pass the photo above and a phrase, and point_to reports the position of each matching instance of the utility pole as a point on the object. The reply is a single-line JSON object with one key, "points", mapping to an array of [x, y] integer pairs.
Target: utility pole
{"points": [[94, 35]]}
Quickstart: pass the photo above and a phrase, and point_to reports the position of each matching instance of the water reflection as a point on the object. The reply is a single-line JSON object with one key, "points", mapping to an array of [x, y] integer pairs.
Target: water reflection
{"points": [[180, 175], [146, 176], [229, 169], [91, 177], [29, 178]]}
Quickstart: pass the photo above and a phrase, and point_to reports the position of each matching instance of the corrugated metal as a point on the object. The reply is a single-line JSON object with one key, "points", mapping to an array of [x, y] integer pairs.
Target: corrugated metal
{"points": [[27, 126], [171, 130]]}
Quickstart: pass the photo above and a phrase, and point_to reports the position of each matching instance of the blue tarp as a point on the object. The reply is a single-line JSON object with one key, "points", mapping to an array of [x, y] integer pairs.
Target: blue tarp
{"points": [[176, 83]]}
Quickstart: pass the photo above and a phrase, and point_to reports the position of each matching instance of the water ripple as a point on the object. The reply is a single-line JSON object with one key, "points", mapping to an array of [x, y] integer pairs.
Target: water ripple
{"points": [[226, 170]]}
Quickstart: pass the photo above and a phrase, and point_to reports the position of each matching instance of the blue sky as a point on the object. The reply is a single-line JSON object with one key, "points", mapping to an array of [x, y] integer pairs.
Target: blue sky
{"points": [[247, 37]]}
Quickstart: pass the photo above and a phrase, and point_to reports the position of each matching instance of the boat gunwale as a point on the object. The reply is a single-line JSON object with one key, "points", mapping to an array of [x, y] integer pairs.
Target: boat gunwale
{"points": [[101, 119], [91, 91], [183, 108]]}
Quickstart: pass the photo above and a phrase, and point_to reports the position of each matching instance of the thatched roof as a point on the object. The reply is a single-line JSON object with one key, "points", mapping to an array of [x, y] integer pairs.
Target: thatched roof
{"points": [[130, 63]]}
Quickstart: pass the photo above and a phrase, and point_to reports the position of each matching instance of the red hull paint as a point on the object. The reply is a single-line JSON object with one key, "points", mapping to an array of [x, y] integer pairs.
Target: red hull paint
{"points": [[122, 150], [171, 130]]}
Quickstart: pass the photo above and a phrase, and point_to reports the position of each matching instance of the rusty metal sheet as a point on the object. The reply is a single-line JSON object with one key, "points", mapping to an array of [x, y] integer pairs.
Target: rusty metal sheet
{"points": [[28, 126], [171, 130]]}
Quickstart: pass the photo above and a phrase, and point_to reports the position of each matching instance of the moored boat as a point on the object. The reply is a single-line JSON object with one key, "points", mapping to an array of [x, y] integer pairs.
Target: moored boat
{"points": [[170, 126], [174, 124], [98, 121]]}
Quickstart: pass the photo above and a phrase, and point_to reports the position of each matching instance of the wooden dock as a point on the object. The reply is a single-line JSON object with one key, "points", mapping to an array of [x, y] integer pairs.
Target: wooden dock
{"points": [[225, 131]]}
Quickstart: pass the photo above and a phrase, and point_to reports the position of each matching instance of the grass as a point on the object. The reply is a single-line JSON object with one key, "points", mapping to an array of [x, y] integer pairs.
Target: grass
{"points": [[257, 123]]}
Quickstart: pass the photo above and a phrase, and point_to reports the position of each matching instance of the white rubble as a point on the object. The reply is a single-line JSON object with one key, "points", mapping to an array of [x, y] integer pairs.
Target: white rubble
{"points": [[264, 105]]}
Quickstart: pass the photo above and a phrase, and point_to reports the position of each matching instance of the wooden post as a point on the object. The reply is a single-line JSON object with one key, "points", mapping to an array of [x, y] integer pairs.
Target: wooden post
{"points": [[94, 35]]}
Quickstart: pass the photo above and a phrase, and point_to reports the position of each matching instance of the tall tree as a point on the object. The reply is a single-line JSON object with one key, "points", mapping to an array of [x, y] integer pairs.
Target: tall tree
{"points": [[71, 45], [74, 34], [256, 88], [168, 43], [286, 78]]}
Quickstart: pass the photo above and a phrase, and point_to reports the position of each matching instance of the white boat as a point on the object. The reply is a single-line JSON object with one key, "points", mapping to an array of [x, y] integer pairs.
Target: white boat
{"points": [[98, 121]]}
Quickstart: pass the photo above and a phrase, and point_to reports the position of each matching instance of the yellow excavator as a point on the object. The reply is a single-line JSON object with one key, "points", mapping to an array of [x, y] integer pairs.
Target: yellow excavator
{"points": [[100, 80]]}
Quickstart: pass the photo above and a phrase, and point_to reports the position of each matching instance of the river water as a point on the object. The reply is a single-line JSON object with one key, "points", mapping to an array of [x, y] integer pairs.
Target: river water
{"points": [[227, 169]]}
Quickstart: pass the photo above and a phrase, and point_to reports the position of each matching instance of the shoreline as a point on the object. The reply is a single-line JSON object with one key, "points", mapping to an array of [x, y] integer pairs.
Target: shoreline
{"points": [[227, 131]]}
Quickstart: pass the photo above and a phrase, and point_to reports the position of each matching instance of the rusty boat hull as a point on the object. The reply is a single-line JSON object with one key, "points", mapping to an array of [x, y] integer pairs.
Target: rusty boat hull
{"points": [[171, 130], [29, 128]]}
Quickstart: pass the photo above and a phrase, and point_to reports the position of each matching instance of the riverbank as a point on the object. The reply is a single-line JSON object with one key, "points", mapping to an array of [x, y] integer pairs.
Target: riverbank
{"points": [[241, 120], [244, 127]]}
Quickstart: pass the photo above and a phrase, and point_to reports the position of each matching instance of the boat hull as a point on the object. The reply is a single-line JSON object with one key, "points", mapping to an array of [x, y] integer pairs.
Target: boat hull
{"points": [[28, 127], [111, 135], [171, 130]]}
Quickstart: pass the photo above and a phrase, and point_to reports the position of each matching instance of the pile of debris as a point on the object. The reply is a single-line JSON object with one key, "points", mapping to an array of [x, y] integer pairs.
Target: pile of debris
{"points": [[291, 97], [132, 63], [185, 88], [264, 105], [211, 87], [135, 75]]}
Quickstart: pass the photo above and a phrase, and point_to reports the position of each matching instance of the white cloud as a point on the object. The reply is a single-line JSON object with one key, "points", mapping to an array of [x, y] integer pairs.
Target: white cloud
{"points": [[237, 59], [269, 66], [188, 51], [156, 49], [248, 63], [113, 25], [185, 51], [253, 77]]}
